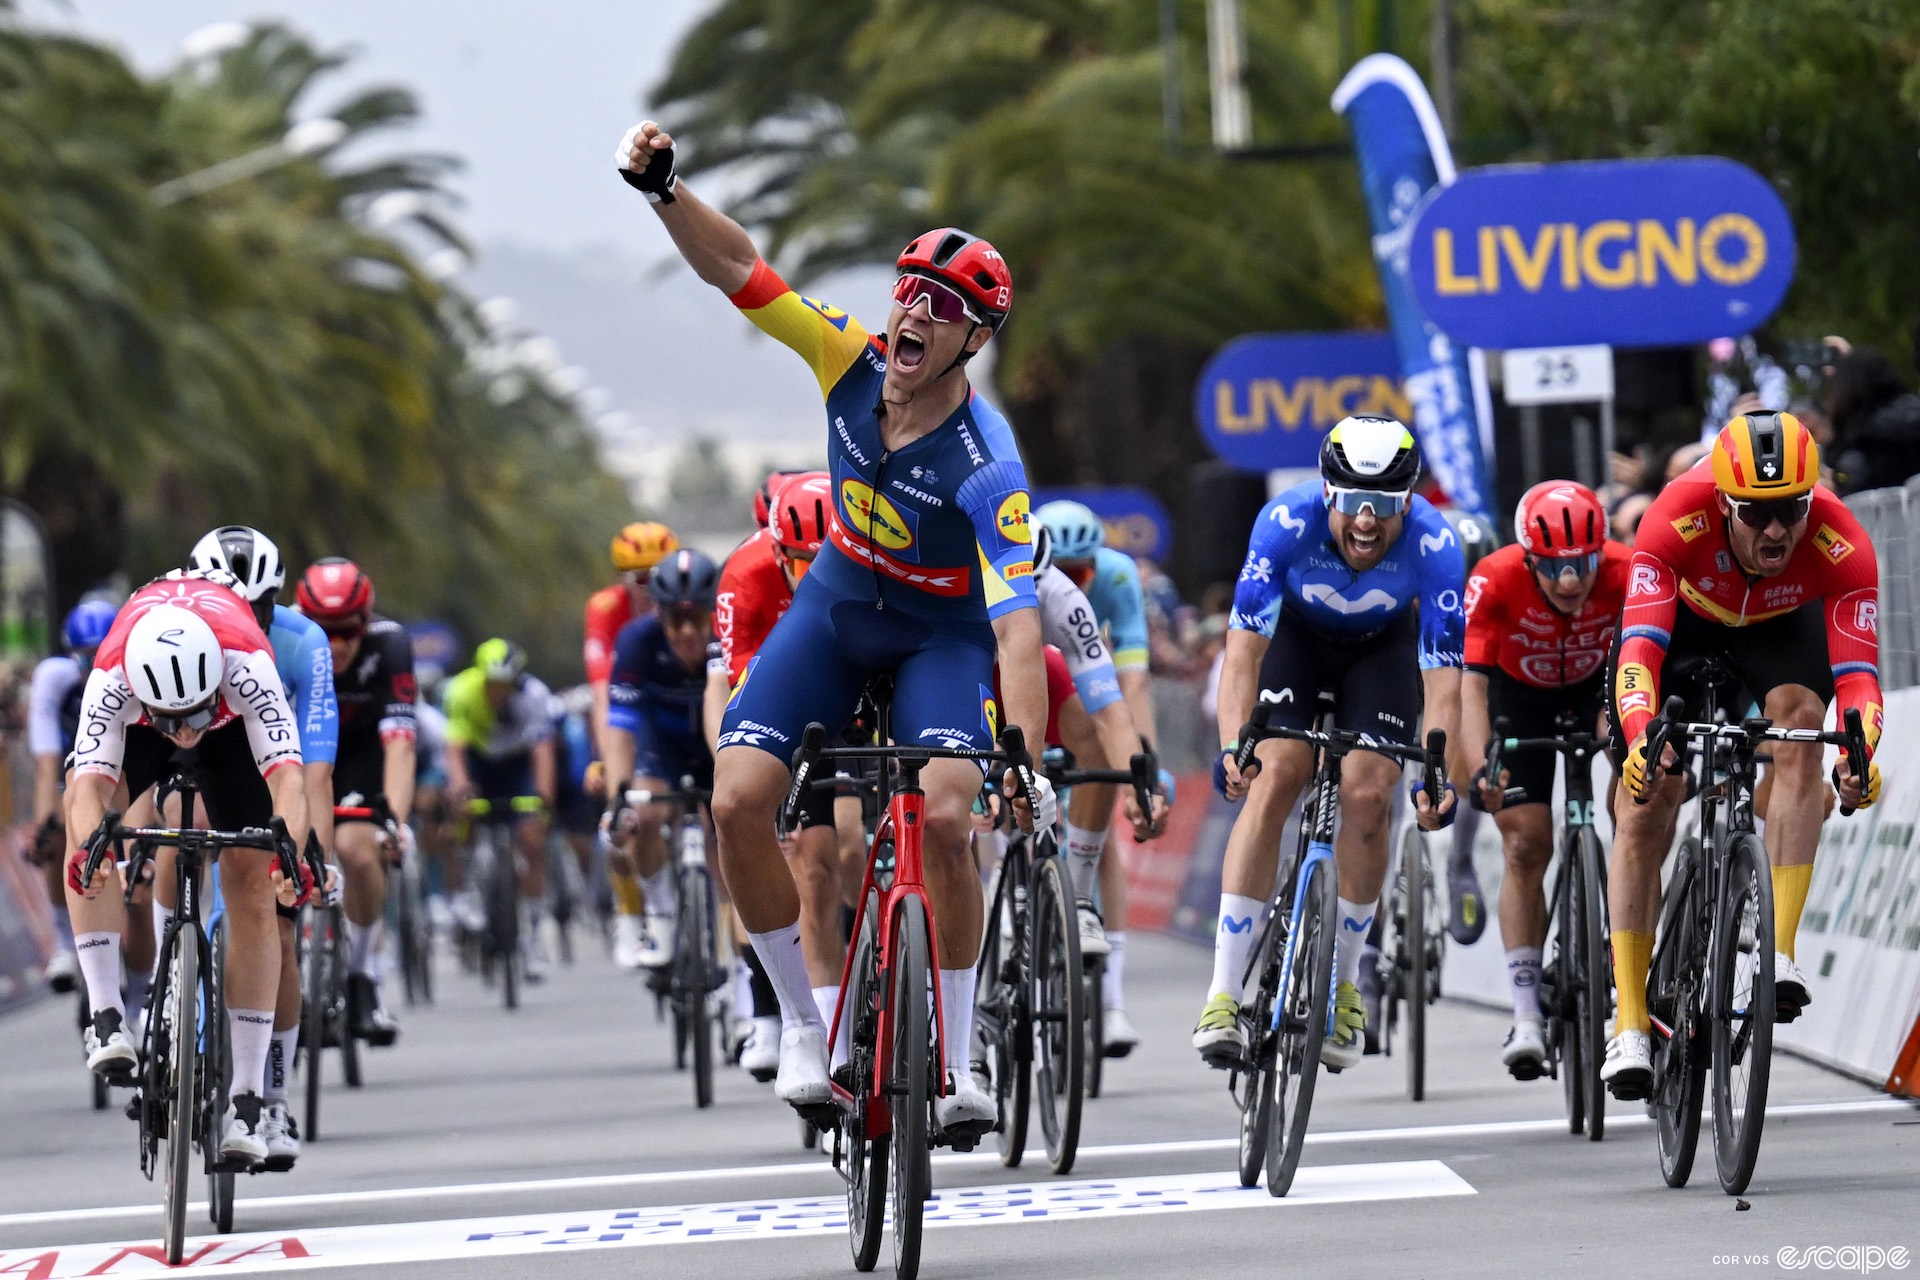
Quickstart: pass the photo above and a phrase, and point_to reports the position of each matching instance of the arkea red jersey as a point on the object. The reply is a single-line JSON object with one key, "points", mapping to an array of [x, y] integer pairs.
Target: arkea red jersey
{"points": [[1512, 626], [1682, 553], [753, 595], [608, 610]]}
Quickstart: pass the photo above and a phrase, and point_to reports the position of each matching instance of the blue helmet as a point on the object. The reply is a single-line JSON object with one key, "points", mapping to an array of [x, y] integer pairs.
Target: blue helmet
{"points": [[88, 624], [1075, 532]]}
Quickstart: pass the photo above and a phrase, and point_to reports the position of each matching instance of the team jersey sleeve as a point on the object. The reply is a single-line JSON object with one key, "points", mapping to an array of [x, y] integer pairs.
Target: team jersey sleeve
{"points": [[536, 706], [603, 628], [1126, 609], [1852, 605], [1277, 535], [107, 707], [53, 679], [468, 717], [1442, 572], [1069, 624], [995, 499], [1485, 620], [740, 621], [827, 338], [624, 697], [1646, 628], [308, 680], [397, 718], [252, 686]]}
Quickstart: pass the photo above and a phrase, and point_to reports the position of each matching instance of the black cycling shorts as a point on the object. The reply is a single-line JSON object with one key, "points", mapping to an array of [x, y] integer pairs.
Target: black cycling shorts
{"points": [[360, 778], [1789, 649], [1375, 682], [1532, 712], [233, 794]]}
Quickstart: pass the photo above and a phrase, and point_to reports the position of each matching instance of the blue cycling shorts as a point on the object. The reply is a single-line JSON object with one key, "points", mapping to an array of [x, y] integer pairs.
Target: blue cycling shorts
{"points": [[819, 657], [670, 756]]}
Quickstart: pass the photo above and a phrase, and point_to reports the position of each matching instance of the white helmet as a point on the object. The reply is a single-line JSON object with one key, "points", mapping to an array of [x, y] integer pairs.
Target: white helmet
{"points": [[246, 553], [173, 659]]}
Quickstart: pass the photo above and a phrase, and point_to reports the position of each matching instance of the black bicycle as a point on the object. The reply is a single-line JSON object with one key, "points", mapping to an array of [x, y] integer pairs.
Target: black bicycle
{"points": [[1710, 992], [1576, 981], [493, 869], [184, 1072], [1285, 1024], [1413, 943]]}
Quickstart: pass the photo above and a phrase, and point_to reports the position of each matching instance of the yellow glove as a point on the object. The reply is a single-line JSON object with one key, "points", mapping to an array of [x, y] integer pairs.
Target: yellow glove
{"points": [[1635, 771], [1871, 792]]}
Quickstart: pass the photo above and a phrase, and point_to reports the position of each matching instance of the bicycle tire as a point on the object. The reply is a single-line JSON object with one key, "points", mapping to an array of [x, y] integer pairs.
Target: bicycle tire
{"points": [[503, 919], [219, 1072], [1561, 975], [1680, 1058], [911, 1092], [313, 1016], [1413, 853], [1096, 1022], [1001, 1019], [1058, 1004], [1303, 1024], [1256, 1083], [1596, 988], [695, 979], [405, 911], [1742, 1009], [338, 1009], [183, 1097], [867, 1160], [97, 1083]]}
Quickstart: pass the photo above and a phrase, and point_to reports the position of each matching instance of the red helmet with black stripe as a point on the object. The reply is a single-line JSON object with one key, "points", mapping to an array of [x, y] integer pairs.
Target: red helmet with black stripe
{"points": [[334, 590], [801, 507], [966, 262], [1560, 518]]}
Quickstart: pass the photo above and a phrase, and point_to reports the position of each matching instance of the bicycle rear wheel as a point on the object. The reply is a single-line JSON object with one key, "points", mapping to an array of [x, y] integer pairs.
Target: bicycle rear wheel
{"points": [[183, 1096], [695, 979], [1000, 1020], [867, 1159], [1413, 860], [1305, 996], [219, 1071], [1256, 1082], [1059, 1012], [911, 1093], [1594, 993], [1679, 1055], [1742, 1009]]}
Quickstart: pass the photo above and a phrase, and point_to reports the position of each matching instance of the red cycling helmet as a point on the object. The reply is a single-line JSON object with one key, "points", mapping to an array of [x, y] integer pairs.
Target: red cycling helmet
{"points": [[1560, 518], [334, 590], [801, 505], [966, 262], [763, 496]]}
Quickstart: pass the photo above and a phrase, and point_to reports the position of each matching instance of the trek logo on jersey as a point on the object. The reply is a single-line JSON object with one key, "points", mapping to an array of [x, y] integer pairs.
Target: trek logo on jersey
{"points": [[831, 314], [1015, 518], [1634, 685], [1691, 526], [1834, 547], [876, 518], [939, 582]]}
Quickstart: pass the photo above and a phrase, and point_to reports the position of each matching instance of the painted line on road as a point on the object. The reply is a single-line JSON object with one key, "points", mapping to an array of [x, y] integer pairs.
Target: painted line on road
{"points": [[484, 1239], [1345, 1137]]}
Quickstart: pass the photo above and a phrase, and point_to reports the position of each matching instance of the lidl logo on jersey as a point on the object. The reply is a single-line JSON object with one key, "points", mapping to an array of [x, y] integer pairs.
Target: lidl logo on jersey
{"points": [[873, 517], [1691, 526], [828, 312], [989, 713], [1015, 518], [1834, 547]]}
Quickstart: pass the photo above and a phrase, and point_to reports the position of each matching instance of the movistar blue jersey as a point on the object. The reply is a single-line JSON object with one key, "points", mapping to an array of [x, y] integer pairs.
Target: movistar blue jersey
{"points": [[936, 533], [1292, 564], [305, 662], [1114, 591]]}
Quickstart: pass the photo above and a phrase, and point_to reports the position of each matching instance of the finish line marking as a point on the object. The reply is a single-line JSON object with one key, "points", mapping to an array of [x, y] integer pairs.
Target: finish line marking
{"points": [[482, 1239], [1342, 1137]]}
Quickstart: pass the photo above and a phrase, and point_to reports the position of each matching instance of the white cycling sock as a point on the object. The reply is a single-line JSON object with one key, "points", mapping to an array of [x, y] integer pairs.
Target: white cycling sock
{"points": [[99, 955], [1110, 995], [742, 993], [1356, 918], [280, 1063], [251, 1031], [1233, 942], [363, 949], [786, 966], [663, 894], [956, 1015], [826, 999], [1083, 849], [1523, 975]]}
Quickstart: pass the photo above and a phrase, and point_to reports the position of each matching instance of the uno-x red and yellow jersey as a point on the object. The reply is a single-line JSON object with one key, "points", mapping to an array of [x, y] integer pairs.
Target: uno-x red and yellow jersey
{"points": [[938, 530]]}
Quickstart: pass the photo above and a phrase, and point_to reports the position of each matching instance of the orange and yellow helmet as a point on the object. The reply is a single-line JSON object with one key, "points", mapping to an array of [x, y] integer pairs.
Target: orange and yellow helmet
{"points": [[1765, 455], [642, 545]]}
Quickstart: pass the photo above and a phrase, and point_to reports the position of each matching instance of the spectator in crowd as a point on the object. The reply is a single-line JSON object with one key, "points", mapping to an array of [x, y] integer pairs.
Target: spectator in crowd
{"points": [[1624, 519], [1875, 422]]}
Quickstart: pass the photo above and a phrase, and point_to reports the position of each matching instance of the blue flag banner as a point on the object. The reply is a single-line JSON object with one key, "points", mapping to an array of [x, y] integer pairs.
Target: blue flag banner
{"points": [[1404, 159], [1136, 523], [1266, 400], [1626, 253]]}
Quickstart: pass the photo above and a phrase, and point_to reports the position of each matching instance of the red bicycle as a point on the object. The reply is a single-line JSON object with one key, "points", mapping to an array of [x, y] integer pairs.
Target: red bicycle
{"points": [[881, 1114]]}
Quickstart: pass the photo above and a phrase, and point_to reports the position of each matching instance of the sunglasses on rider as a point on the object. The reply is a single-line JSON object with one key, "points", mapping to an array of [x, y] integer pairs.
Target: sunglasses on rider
{"points": [[182, 722], [351, 629], [685, 616], [944, 303], [1351, 502], [1758, 513], [1551, 567]]}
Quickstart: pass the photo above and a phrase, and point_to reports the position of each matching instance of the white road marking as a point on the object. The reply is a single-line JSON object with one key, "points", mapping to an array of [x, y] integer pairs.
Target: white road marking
{"points": [[1345, 1137], [482, 1239]]}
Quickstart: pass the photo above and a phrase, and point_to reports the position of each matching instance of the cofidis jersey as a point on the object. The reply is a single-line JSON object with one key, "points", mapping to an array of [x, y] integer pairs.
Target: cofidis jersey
{"points": [[940, 529]]}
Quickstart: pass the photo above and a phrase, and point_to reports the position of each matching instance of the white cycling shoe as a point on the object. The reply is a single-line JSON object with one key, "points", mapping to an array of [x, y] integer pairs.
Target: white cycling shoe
{"points": [[1093, 934], [966, 1110], [1628, 1070], [656, 941], [1525, 1053], [627, 932], [243, 1140], [802, 1076], [1790, 994], [281, 1134], [110, 1050], [1117, 1033], [761, 1054]]}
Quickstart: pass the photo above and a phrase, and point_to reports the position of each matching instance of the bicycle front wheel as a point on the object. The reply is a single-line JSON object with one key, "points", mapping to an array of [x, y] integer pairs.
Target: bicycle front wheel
{"points": [[1305, 996], [219, 1072], [1742, 1008], [1560, 989], [1594, 994], [341, 1015], [1680, 1053], [867, 1161], [1059, 1012], [1413, 861], [316, 956], [695, 978], [911, 1093], [1256, 1082], [183, 1095]]}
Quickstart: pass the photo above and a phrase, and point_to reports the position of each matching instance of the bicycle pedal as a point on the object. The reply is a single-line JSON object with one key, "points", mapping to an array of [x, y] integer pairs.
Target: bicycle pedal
{"points": [[965, 1143], [824, 1116]]}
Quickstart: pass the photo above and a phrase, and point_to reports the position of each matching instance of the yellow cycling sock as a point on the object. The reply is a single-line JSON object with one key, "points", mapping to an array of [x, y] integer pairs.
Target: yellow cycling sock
{"points": [[1790, 885], [1632, 953], [626, 893]]}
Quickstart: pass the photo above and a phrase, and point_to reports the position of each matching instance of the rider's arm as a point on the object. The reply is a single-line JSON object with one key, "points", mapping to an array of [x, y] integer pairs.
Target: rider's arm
{"points": [[1023, 672], [1476, 727], [1258, 595], [1852, 589], [1068, 623], [399, 725], [626, 706], [620, 756], [465, 695], [1646, 628], [53, 679], [995, 500], [287, 783], [544, 771], [714, 245], [714, 706], [87, 798], [1442, 572], [398, 770], [1239, 681], [597, 659], [1486, 619]]}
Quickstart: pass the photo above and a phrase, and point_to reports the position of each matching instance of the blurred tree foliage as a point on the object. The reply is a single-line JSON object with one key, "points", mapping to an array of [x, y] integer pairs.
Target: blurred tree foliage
{"points": [[856, 124], [258, 353]]}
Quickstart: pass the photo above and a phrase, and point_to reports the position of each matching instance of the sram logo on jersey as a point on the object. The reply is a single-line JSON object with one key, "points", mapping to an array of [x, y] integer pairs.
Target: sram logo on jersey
{"points": [[1834, 547], [1691, 526]]}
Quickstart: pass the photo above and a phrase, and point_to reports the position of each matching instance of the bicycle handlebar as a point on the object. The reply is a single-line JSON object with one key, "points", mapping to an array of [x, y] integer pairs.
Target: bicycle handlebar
{"points": [[1431, 757], [813, 749], [272, 838], [1567, 744], [1668, 725], [1141, 774]]}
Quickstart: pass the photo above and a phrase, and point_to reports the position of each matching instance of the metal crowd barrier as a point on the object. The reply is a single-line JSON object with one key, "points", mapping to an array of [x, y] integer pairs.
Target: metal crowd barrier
{"points": [[1889, 517]]}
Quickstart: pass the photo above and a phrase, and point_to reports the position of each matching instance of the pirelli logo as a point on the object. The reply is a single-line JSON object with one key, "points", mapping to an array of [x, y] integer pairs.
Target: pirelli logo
{"points": [[1691, 526], [1834, 547]]}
